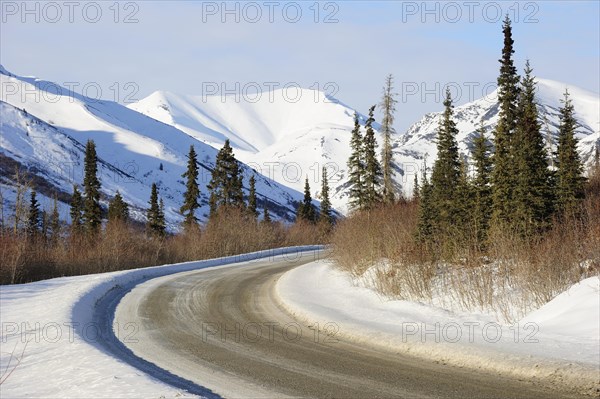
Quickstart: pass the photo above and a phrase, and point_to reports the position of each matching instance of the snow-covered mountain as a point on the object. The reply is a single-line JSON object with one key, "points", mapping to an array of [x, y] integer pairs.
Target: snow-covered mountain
{"points": [[283, 138], [44, 128], [292, 139]]}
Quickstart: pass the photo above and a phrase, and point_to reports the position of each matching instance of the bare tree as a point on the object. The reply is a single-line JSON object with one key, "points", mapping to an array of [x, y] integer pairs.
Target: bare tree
{"points": [[388, 107]]}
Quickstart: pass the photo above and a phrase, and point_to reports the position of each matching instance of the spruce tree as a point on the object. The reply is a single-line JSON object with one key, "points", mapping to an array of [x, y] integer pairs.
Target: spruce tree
{"points": [[252, 207], [192, 191], [76, 211], [356, 168], [372, 171], [427, 211], [482, 193], [161, 223], [325, 215], [213, 206], [54, 223], [388, 107], [503, 174], [226, 180], [92, 212], [463, 203], [532, 196], [306, 210], [154, 215], [416, 190], [445, 176], [33, 218], [266, 216], [570, 182], [118, 210]]}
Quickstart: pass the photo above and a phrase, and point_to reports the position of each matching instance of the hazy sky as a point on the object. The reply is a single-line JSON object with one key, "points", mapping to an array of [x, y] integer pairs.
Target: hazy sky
{"points": [[125, 51]]}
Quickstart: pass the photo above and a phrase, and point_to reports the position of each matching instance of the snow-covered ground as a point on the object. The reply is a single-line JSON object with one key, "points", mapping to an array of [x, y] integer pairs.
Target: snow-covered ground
{"points": [[558, 343], [57, 338]]}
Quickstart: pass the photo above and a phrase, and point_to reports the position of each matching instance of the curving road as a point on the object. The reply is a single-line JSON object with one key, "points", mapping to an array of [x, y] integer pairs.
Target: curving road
{"points": [[222, 329]]}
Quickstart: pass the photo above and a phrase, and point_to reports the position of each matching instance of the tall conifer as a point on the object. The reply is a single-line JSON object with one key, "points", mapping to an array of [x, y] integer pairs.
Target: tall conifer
{"points": [[532, 197], [388, 107], [503, 173], [356, 168], [325, 215], [192, 191], [570, 182], [92, 212], [372, 171], [445, 176]]}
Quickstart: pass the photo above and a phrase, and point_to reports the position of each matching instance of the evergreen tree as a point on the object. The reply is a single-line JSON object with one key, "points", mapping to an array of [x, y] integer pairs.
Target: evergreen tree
{"points": [[427, 212], [76, 211], [155, 216], [118, 209], [569, 173], [482, 193], [388, 107], [445, 176], [192, 191], [532, 196], [226, 180], [54, 223], [161, 223], [92, 212], [372, 171], [33, 219], [266, 216], [503, 174], [416, 193], [325, 215], [252, 207], [463, 204], [212, 203], [356, 168], [306, 211]]}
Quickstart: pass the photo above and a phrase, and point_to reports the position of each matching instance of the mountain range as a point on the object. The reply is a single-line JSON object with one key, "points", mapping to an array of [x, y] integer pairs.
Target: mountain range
{"points": [[282, 141]]}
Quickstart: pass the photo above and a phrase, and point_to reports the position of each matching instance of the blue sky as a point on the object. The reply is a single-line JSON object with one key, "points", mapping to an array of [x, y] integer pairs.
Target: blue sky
{"points": [[183, 46]]}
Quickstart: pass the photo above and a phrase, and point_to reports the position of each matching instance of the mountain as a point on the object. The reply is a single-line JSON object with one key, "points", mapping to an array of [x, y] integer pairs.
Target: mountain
{"points": [[292, 139], [44, 128], [282, 137], [285, 137]]}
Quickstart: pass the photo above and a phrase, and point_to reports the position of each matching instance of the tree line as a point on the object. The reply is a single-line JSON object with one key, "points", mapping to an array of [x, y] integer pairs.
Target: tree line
{"points": [[225, 192], [516, 187], [97, 240]]}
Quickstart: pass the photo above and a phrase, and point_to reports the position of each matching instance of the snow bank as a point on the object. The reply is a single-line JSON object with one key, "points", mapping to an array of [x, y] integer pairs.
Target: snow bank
{"points": [[573, 314], [62, 330], [558, 344]]}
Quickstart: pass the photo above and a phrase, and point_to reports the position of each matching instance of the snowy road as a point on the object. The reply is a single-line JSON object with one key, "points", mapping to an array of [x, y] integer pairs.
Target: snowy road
{"points": [[221, 328]]}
